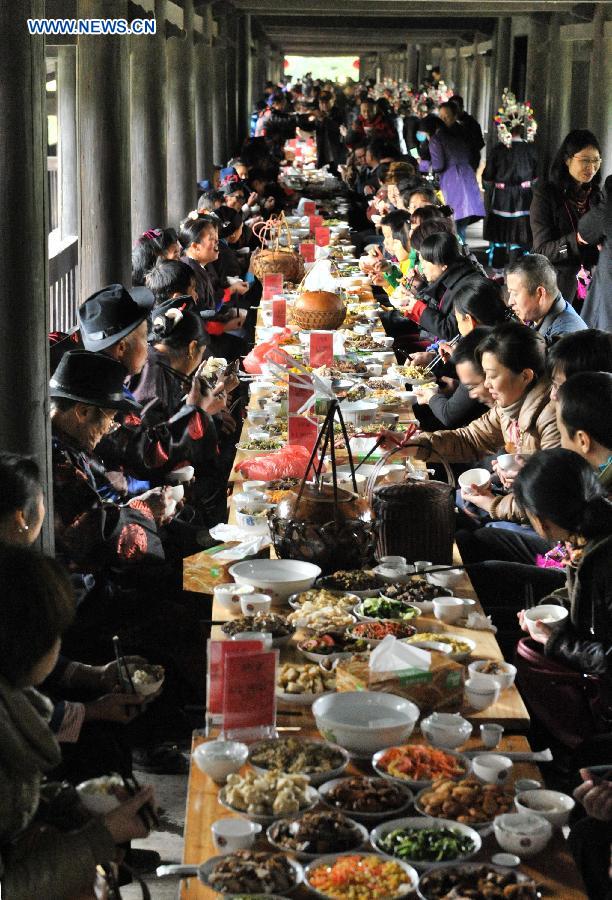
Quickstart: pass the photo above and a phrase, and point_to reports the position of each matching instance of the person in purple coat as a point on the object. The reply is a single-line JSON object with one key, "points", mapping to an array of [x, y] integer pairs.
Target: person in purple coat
{"points": [[450, 160]]}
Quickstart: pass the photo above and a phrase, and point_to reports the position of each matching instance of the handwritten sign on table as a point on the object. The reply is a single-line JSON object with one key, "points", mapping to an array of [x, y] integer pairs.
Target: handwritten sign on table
{"points": [[303, 431], [217, 653], [314, 223], [249, 695], [310, 208], [272, 284], [298, 395], [307, 251], [321, 348], [322, 236], [279, 312]]}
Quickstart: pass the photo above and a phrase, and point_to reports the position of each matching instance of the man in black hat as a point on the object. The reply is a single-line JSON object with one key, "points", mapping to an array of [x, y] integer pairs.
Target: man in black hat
{"points": [[111, 322]]}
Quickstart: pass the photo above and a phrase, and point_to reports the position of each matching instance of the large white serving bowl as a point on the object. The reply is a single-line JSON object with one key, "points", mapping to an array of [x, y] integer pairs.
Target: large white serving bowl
{"points": [[553, 806], [277, 577], [364, 722]]}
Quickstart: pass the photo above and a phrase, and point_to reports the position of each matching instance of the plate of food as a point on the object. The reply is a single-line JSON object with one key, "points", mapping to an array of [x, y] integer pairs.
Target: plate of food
{"points": [[322, 597], [268, 623], [316, 618], [318, 760], [416, 590], [417, 765], [102, 795], [354, 875], [260, 445], [461, 648], [369, 800], [332, 645], [376, 630], [476, 880], [412, 374], [362, 582], [246, 873], [468, 801], [266, 796], [317, 833], [421, 841], [385, 608], [300, 685], [146, 678]]}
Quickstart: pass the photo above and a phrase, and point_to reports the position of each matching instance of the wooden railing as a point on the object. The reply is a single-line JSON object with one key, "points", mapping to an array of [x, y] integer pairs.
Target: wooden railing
{"points": [[63, 281]]}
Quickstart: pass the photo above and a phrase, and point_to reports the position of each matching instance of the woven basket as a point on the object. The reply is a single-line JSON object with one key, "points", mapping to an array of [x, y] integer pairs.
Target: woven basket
{"points": [[276, 259], [319, 319], [416, 519]]}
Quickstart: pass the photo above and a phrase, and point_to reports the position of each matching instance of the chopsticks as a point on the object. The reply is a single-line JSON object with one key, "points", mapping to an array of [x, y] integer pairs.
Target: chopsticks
{"points": [[147, 814], [438, 358], [122, 667]]}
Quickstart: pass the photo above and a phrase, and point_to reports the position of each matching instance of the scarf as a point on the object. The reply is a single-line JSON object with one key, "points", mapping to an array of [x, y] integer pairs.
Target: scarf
{"points": [[27, 744]]}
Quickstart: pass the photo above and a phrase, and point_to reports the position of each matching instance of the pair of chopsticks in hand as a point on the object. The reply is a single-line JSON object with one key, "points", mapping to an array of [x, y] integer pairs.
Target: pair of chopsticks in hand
{"points": [[439, 357]]}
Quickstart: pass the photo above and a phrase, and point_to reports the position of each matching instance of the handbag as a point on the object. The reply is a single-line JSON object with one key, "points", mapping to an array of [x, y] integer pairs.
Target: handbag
{"points": [[417, 517], [566, 702]]}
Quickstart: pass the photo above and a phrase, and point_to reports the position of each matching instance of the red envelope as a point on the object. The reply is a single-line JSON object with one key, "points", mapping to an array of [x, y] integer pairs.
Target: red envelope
{"points": [[315, 222], [322, 236], [308, 251], [272, 284], [310, 208]]}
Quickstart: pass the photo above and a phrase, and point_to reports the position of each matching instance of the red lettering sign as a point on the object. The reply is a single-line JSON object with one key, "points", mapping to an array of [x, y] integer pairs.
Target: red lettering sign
{"points": [[321, 348], [303, 431], [308, 251], [272, 284], [310, 208], [279, 312], [322, 236], [249, 696]]}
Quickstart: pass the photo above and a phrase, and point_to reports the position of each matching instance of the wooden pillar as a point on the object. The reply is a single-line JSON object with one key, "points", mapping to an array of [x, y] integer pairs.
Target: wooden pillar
{"points": [[204, 91], [600, 88], [245, 77], [181, 137], [67, 141], [148, 126], [219, 106], [24, 373], [476, 81], [104, 153], [501, 65], [411, 64]]}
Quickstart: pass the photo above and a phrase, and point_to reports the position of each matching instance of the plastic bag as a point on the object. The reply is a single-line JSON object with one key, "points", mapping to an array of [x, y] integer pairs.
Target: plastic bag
{"points": [[320, 278], [257, 356], [288, 462]]}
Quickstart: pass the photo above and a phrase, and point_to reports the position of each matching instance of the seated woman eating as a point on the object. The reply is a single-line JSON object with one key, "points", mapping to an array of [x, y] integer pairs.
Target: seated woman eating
{"points": [[51, 848], [522, 419]]}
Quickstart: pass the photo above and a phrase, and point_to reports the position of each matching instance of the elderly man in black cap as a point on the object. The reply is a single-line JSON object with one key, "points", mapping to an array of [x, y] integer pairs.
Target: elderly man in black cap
{"points": [[112, 322]]}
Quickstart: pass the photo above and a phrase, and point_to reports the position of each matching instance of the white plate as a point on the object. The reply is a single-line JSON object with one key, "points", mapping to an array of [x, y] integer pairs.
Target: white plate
{"points": [[315, 778], [419, 784], [331, 858], [459, 657], [361, 840], [419, 823], [267, 819]]}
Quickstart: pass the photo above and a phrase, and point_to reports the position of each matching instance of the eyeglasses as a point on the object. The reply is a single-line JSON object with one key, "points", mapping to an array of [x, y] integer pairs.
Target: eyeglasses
{"points": [[110, 422], [588, 161]]}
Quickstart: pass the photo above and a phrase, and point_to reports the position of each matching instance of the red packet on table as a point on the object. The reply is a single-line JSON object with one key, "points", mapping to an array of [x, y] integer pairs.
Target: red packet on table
{"points": [[321, 348], [310, 208], [315, 222], [249, 694], [307, 251], [272, 284], [217, 651], [298, 395], [279, 312], [322, 236], [303, 431]]}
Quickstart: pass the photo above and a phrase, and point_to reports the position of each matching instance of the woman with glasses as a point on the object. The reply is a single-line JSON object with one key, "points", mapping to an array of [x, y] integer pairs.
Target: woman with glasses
{"points": [[557, 206]]}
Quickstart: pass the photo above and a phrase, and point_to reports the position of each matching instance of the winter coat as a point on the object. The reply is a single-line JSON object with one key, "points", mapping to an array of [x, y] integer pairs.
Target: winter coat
{"points": [[535, 429], [554, 222], [584, 639], [433, 311], [472, 135], [456, 410], [44, 863], [596, 227], [451, 160]]}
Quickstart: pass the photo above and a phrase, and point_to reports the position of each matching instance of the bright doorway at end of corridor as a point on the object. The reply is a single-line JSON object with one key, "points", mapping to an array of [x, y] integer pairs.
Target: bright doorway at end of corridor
{"points": [[332, 68]]}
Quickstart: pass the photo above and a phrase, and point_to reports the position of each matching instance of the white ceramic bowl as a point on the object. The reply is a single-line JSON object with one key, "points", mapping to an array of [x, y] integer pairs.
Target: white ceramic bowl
{"points": [[553, 806], [277, 577], [231, 834], [507, 463], [480, 477], [504, 679], [253, 486], [330, 860], [449, 579], [448, 609], [522, 833], [253, 604], [218, 759], [95, 798], [549, 613], [492, 768], [365, 721], [446, 730], [180, 475], [253, 522], [145, 690], [480, 696], [228, 596], [419, 823], [312, 798], [361, 412]]}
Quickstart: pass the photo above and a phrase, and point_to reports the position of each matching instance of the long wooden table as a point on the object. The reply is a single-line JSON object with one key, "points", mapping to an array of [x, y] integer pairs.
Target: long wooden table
{"points": [[554, 867]]}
